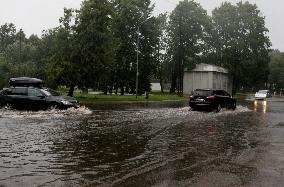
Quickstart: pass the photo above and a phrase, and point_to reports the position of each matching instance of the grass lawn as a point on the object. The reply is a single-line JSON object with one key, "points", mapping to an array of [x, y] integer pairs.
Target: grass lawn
{"points": [[154, 96], [243, 95]]}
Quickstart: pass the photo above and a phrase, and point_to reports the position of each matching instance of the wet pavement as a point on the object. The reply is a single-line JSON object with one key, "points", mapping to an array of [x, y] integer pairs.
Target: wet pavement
{"points": [[145, 144]]}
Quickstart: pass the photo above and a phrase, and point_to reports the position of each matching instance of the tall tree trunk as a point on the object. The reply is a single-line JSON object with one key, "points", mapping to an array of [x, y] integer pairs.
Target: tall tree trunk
{"points": [[105, 91], [161, 68], [110, 89], [122, 89], [181, 78], [71, 90], [116, 87], [162, 84], [180, 56], [174, 83]]}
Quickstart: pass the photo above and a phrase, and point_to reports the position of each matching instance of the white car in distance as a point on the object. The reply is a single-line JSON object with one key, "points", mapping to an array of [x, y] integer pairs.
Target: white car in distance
{"points": [[262, 94]]}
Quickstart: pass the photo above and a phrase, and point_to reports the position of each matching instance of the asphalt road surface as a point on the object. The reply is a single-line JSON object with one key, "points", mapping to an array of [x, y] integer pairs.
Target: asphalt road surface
{"points": [[144, 145]]}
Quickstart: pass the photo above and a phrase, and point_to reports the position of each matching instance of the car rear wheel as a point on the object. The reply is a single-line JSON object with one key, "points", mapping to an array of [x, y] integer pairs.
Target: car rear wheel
{"points": [[192, 109]]}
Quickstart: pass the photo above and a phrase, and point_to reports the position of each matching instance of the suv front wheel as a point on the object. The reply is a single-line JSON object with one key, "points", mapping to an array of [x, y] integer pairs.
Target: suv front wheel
{"points": [[7, 106], [234, 106], [53, 106]]}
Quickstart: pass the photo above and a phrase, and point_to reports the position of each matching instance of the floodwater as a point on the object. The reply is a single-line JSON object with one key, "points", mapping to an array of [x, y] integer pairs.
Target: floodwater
{"points": [[145, 144]]}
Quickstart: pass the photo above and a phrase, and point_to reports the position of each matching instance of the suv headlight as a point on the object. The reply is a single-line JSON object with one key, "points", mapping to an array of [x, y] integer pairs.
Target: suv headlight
{"points": [[65, 102]]}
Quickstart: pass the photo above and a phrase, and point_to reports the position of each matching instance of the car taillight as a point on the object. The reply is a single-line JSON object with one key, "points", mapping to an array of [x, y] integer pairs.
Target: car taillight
{"points": [[210, 97]]}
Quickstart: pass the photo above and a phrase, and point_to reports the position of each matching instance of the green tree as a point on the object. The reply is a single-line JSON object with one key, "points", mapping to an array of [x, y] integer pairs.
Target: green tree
{"points": [[134, 26], [4, 71], [96, 43], [40, 54], [188, 29], [161, 48], [22, 55], [276, 66], [7, 36], [64, 64], [241, 43]]}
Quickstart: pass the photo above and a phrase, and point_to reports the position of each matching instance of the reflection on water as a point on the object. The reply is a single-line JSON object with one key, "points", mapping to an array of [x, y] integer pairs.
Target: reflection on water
{"points": [[255, 103], [79, 147], [264, 108], [260, 105]]}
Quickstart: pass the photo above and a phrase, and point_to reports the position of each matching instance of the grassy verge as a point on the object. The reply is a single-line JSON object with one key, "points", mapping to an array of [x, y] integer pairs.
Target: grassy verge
{"points": [[243, 95], [152, 97]]}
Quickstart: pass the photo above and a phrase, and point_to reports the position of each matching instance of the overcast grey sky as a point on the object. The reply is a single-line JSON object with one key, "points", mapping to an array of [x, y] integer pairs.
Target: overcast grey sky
{"points": [[33, 16]]}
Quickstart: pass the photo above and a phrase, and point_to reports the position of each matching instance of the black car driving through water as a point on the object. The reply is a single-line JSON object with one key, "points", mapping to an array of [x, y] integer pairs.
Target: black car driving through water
{"points": [[211, 99], [29, 94]]}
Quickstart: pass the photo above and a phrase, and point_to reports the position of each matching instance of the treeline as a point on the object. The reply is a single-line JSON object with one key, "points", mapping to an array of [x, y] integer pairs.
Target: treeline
{"points": [[276, 67], [99, 46]]}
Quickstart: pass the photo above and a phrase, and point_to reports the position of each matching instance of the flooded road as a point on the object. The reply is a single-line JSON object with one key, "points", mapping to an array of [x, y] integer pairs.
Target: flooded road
{"points": [[150, 144]]}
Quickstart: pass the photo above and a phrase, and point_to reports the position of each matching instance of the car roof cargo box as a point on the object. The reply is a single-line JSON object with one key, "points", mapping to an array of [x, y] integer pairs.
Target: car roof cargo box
{"points": [[26, 81]]}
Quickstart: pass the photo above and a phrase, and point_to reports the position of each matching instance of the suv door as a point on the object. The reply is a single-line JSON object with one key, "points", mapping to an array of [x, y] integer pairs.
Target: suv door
{"points": [[18, 97], [221, 98], [227, 99], [231, 103], [36, 99]]}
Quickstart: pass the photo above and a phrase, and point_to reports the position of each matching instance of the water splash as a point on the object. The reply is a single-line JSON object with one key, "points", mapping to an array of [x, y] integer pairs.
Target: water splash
{"points": [[45, 114], [250, 98], [136, 116]]}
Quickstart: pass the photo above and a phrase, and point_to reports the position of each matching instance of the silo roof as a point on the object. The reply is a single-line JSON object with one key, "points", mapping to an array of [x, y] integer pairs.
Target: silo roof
{"points": [[209, 68]]}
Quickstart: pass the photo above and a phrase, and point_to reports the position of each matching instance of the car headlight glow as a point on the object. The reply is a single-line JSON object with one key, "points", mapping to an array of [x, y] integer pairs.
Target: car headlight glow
{"points": [[65, 102]]}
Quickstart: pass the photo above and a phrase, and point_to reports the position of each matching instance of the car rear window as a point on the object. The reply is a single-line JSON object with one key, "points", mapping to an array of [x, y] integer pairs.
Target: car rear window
{"points": [[262, 91], [202, 92]]}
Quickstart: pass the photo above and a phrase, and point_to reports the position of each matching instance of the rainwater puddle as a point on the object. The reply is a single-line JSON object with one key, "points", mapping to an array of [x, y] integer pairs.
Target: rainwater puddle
{"points": [[81, 147]]}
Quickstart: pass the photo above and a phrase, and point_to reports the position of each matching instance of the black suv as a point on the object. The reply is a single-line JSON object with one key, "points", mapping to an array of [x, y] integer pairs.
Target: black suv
{"points": [[210, 99], [28, 94]]}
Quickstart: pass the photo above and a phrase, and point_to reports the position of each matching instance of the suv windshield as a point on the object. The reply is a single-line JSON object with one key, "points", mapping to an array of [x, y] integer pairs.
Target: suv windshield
{"points": [[50, 92], [202, 92]]}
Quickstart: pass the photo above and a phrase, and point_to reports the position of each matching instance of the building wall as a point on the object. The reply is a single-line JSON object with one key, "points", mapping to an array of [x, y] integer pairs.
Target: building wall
{"points": [[155, 86], [194, 80]]}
